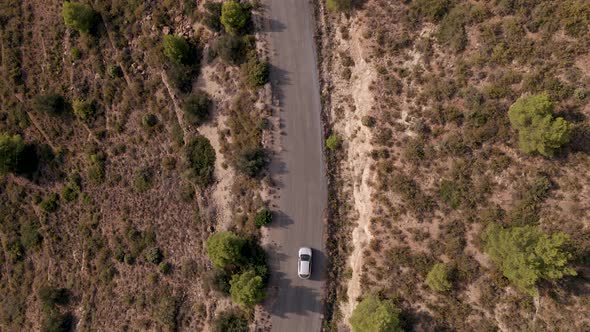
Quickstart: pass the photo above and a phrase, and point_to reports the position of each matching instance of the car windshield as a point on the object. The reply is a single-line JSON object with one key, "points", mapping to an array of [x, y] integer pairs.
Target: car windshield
{"points": [[305, 258]]}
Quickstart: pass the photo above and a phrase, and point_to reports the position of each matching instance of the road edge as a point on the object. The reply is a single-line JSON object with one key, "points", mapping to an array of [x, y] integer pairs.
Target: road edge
{"points": [[334, 223]]}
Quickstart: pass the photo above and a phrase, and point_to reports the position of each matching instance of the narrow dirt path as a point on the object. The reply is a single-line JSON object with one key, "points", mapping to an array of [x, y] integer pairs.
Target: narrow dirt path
{"points": [[177, 109]]}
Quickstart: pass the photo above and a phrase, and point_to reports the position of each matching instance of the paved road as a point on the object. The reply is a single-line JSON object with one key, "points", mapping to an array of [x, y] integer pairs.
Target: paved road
{"points": [[295, 304]]}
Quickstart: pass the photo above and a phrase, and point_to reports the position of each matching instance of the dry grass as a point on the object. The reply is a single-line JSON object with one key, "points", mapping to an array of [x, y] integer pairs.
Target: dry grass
{"points": [[444, 161]]}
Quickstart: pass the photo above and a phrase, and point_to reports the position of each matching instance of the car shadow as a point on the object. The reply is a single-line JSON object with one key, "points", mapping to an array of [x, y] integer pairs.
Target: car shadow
{"points": [[299, 300], [280, 219], [318, 267]]}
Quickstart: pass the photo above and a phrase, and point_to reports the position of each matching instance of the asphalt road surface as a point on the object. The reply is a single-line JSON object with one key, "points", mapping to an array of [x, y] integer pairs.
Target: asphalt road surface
{"points": [[298, 170]]}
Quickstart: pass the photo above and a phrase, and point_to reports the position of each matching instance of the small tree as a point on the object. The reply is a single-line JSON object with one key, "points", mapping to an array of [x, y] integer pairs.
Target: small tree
{"points": [[197, 107], [538, 130], [11, 151], [375, 315], [79, 16], [225, 248], [177, 49], [526, 254], [438, 279], [52, 104], [234, 16], [263, 218], [247, 289], [200, 156]]}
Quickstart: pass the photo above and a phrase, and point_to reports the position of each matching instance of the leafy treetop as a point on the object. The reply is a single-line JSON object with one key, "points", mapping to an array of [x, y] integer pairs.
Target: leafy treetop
{"points": [[375, 315], [78, 16], [234, 16], [247, 289], [177, 49], [438, 279], [11, 152], [526, 254], [225, 248], [200, 156], [538, 130]]}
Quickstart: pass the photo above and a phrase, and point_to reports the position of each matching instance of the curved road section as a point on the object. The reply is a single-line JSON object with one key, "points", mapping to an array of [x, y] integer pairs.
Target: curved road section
{"points": [[298, 170]]}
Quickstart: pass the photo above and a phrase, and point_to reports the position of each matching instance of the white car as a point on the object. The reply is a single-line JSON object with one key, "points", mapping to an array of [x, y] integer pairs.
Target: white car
{"points": [[304, 263]]}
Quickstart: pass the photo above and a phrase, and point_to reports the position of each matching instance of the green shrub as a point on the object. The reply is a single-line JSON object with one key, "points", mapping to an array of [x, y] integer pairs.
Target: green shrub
{"points": [[177, 50], [225, 248], [154, 255], [12, 149], [186, 193], [538, 130], [15, 252], [251, 161], [339, 5], [528, 199], [232, 49], [52, 104], [197, 108], [247, 289], [114, 71], [230, 321], [54, 321], [165, 267], [234, 16], [181, 77], [451, 193], [451, 31], [85, 110], [50, 203], [143, 180], [255, 71], [29, 235], [375, 315], [333, 142], [75, 53], [149, 120], [525, 254], [200, 156], [69, 193], [346, 74], [212, 15], [433, 10], [368, 121], [218, 280], [438, 278], [263, 218], [97, 169], [51, 297], [79, 16], [166, 311]]}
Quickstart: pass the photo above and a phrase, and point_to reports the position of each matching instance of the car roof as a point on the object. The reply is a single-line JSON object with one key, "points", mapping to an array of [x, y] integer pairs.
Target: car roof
{"points": [[304, 267], [304, 251]]}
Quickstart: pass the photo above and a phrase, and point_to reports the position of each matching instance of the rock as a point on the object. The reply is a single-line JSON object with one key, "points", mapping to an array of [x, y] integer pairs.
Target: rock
{"points": [[166, 30]]}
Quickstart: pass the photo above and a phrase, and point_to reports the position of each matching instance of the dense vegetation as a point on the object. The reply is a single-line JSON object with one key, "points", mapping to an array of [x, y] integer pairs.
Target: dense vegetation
{"points": [[478, 120], [106, 174]]}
